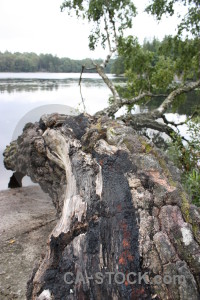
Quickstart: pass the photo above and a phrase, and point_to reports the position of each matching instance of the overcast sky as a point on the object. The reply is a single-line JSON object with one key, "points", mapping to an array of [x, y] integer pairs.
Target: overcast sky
{"points": [[39, 26]]}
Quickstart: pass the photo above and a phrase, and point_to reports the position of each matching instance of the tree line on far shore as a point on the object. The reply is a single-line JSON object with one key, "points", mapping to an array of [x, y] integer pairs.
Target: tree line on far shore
{"points": [[32, 62]]}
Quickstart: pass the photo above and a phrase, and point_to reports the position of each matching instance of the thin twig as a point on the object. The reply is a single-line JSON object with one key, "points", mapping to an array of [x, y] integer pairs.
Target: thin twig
{"points": [[175, 125], [171, 122], [80, 80], [107, 33]]}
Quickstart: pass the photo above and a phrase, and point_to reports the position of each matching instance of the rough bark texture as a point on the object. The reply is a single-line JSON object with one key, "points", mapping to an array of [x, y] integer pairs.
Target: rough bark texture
{"points": [[121, 207]]}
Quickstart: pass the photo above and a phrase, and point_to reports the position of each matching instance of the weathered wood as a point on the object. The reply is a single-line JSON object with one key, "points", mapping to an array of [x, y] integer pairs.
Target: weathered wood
{"points": [[122, 209]]}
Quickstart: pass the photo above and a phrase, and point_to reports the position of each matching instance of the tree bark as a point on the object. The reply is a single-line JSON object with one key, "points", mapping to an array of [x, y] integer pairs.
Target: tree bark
{"points": [[122, 209]]}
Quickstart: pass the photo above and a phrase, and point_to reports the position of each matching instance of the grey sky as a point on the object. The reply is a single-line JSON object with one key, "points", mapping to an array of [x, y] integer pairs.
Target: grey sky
{"points": [[39, 26]]}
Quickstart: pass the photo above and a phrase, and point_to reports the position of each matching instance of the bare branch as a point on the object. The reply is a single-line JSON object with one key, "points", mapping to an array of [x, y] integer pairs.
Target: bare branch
{"points": [[111, 110], [107, 33], [108, 57], [171, 97], [111, 50], [141, 96], [141, 121], [172, 123], [109, 83], [80, 80], [114, 29]]}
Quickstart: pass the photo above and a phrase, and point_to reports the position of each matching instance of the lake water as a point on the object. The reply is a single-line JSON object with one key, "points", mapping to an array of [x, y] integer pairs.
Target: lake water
{"points": [[26, 96]]}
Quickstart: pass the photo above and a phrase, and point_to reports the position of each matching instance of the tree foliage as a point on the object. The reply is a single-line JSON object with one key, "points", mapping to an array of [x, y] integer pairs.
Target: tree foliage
{"points": [[187, 158], [145, 70], [189, 22], [157, 67], [115, 15]]}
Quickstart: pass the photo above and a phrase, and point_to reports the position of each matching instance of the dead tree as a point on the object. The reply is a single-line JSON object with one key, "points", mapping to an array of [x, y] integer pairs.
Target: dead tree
{"points": [[127, 229]]}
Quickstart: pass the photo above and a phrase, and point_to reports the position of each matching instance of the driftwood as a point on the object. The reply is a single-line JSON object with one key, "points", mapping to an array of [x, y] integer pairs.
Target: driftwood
{"points": [[122, 210]]}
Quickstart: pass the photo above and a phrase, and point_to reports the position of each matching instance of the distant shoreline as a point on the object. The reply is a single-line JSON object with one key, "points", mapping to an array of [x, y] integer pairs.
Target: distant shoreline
{"points": [[32, 62]]}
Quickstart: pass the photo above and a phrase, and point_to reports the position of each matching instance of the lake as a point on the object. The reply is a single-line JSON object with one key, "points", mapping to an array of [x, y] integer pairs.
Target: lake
{"points": [[22, 93], [25, 96]]}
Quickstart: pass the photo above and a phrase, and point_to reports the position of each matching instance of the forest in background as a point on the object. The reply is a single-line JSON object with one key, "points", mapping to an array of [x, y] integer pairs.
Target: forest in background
{"points": [[32, 62]]}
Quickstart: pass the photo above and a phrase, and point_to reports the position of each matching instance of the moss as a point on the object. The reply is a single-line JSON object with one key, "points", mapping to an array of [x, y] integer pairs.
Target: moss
{"points": [[195, 229], [185, 208], [113, 136], [128, 144], [98, 126], [111, 131], [146, 147]]}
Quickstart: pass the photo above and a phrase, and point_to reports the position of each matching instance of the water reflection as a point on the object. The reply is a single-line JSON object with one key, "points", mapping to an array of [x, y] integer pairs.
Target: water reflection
{"points": [[33, 82], [20, 85]]}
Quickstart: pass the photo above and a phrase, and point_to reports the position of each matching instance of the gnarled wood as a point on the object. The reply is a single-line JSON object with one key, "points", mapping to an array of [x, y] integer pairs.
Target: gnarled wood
{"points": [[122, 209]]}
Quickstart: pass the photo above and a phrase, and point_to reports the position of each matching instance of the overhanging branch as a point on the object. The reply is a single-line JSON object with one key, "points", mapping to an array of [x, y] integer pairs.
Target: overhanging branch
{"points": [[112, 109], [141, 121], [171, 97], [109, 83]]}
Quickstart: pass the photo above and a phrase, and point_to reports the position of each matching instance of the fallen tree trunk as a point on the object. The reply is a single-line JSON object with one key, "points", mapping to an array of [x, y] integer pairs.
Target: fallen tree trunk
{"points": [[127, 229]]}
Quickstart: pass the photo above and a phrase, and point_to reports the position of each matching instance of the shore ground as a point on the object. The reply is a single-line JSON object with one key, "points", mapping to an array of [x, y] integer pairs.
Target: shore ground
{"points": [[27, 217]]}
